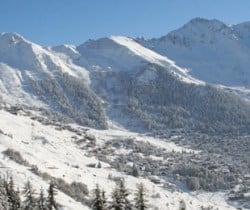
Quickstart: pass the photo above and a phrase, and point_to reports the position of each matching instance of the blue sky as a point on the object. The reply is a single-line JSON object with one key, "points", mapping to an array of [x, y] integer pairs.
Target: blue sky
{"points": [[53, 22]]}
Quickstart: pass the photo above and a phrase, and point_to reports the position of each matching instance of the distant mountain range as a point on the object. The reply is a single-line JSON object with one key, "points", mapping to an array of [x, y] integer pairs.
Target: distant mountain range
{"points": [[168, 83]]}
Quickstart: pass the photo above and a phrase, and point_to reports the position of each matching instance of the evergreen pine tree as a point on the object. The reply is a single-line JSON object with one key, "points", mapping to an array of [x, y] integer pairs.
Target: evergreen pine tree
{"points": [[13, 195], [140, 202], [3, 196], [116, 202], [124, 196], [182, 205], [135, 171], [99, 165], [51, 197], [98, 203], [104, 200], [41, 202], [29, 202]]}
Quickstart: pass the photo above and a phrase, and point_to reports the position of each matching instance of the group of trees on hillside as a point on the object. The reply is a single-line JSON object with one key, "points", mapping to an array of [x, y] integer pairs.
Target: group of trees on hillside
{"points": [[165, 103], [10, 197], [119, 198], [70, 99]]}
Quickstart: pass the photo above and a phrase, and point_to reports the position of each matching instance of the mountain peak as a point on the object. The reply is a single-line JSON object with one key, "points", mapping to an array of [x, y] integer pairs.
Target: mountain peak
{"points": [[212, 50], [243, 29], [12, 37], [244, 24], [199, 30], [205, 25], [199, 20], [69, 50], [102, 43]]}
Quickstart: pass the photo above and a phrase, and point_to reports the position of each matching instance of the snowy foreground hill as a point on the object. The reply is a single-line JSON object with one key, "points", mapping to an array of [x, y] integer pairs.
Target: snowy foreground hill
{"points": [[145, 111], [66, 152]]}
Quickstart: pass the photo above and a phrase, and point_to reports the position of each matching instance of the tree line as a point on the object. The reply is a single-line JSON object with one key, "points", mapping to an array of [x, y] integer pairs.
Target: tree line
{"points": [[119, 198], [10, 196]]}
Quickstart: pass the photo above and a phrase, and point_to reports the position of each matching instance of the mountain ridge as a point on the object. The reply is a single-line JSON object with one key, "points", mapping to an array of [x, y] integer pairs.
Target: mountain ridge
{"points": [[212, 50], [118, 79]]}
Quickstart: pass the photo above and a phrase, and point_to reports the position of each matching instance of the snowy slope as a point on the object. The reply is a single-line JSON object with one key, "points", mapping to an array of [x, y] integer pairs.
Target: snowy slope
{"points": [[22, 60], [125, 54], [55, 151], [15, 50], [210, 49], [40, 78], [12, 87]]}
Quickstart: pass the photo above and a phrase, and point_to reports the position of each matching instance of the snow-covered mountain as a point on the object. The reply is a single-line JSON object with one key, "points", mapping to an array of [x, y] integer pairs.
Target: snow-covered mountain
{"points": [[138, 83], [33, 76], [210, 49], [79, 115], [113, 80]]}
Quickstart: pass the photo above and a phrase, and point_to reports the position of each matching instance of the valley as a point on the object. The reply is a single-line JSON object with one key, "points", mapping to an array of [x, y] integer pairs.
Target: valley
{"points": [[168, 112]]}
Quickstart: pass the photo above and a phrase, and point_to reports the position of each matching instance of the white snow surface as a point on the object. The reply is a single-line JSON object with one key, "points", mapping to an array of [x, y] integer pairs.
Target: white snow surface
{"points": [[119, 53], [12, 87], [154, 57]]}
